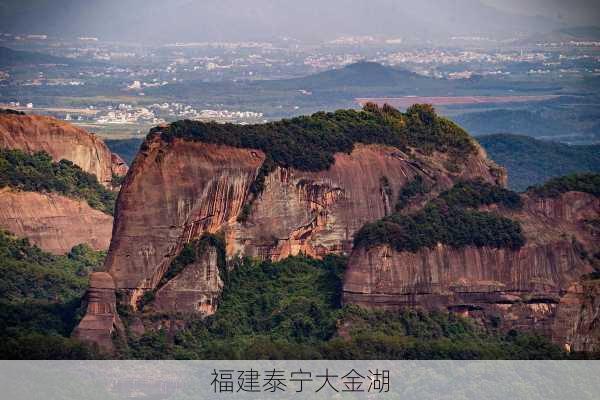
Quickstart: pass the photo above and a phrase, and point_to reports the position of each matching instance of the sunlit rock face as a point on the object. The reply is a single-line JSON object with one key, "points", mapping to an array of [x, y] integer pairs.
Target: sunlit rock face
{"points": [[534, 288], [101, 322], [53, 222], [177, 191], [33, 133]]}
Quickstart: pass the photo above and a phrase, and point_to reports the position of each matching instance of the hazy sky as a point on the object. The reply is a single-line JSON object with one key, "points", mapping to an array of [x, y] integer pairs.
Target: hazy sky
{"points": [[586, 12], [156, 21]]}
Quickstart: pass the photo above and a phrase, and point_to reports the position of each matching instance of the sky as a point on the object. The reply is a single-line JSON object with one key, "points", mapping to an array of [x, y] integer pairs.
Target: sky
{"points": [[572, 12], [164, 21]]}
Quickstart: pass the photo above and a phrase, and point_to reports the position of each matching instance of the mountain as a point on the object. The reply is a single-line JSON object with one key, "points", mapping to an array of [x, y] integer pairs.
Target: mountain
{"points": [[531, 162], [402, 195], [56, 183], [34, 133], [124, 148], [187, 20], [357, 75], [576, 34], [13, 58], [522, 122]]}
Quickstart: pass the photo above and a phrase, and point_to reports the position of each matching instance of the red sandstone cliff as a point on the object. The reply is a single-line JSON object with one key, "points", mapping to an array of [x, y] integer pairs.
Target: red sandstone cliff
{"points": [[53, 222], [177, 191], [524, 287], [61, 140]]}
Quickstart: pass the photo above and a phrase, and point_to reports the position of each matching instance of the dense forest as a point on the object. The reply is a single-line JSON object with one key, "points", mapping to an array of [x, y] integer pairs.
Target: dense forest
{"points": [[587, 183], [532, 162], [292, 310], [451, 219], [38, 173], [310, 142], [40, 299]]}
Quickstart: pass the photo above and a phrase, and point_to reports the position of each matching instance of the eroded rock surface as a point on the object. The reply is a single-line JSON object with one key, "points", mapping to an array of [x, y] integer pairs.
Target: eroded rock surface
{"points": [[195, 290], [177, 191], [577, 323], [33, 133], [101, 321], [53, 222], [522, 287]]}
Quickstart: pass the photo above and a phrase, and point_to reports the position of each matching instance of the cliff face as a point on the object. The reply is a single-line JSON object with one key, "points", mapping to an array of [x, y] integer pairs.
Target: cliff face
{"points": [[177, 191], [577, 322], [195, 290], [32, 133], [53, 222], [522, 287]]}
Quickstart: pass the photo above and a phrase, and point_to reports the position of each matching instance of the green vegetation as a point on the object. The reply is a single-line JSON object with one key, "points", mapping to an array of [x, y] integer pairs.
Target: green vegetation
{"points": [[532, 162], [28, 273], [125, 148], [192, 252], [310, 142], [38, 173], [588, 183], [40, 297], [409, 191], [450, 219], [477, 193], [291, 310]]}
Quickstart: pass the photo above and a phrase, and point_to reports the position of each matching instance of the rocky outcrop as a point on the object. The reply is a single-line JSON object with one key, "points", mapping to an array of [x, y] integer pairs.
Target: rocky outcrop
{"points": [[32, 133], [53, 222], [176, 191], [195, 290], [101, 321], [577, 323], [521, 287]]}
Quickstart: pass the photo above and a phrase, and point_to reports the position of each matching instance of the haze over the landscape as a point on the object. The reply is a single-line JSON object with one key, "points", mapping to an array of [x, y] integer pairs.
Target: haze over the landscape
{"points": [[184, 20], [278, 179]]}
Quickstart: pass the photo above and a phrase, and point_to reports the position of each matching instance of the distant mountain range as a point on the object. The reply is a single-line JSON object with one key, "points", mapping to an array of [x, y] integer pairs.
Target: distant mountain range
{"points": [[577, 34], [531, 162]]}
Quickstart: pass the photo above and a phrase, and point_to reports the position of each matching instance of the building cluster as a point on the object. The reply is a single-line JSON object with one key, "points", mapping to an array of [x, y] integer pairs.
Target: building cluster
{"points": [[128, 114]]}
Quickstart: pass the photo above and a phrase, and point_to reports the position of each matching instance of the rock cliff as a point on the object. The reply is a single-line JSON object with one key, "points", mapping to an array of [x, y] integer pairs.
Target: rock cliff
{"points": [[176, 191], [53, 222], [522, 288], [577, 322], [32, 133], [191, 179]]}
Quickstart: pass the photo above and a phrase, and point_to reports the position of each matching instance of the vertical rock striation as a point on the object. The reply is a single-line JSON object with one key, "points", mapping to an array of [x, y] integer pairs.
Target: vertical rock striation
{"points": [[177, 191], [53, 222], [522, 287]]}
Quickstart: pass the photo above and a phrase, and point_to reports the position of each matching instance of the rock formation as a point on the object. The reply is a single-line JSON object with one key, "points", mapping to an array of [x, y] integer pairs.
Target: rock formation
{"points": [[577, 322], [61, 140], [523, 288], [195, 290], [101, 322], [53, 222], [177, 191]]}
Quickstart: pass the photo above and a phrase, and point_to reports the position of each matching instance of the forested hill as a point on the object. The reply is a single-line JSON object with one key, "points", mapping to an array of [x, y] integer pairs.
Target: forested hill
{"points": [[530, 161]]}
